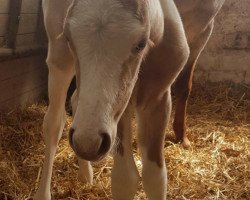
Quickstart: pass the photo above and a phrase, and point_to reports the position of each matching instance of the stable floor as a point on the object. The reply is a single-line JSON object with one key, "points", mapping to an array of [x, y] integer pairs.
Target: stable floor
{"points": [[217, 166]]}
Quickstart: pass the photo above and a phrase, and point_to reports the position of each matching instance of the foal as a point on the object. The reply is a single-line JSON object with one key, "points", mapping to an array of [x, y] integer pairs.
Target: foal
{"points": [[103, 43]]}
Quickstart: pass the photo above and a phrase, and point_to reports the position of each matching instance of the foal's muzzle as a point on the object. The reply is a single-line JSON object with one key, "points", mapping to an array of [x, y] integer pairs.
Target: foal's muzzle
{"points": [[90, 150]]}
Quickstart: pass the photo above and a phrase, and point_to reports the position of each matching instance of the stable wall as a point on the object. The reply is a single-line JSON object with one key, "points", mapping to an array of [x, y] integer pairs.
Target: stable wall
{"points": [[23, 71], [227, 54], [22, 81]]}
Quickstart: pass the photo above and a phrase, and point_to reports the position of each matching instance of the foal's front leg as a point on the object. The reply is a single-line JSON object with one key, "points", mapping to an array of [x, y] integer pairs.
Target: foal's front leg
{"points": [[125, 176], [61, 72], [153, 116]]}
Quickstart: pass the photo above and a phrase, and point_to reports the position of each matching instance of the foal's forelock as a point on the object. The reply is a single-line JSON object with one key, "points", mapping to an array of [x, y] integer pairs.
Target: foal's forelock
{"points": [[104, 32]]}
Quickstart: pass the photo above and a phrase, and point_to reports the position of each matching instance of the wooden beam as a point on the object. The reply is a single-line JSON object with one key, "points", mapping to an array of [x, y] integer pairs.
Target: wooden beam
{"points": [[13, 23]]}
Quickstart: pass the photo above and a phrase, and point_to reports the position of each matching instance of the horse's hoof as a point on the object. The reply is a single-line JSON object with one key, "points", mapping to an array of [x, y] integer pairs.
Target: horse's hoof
{"points": [[38, 196], [85, 177], [186, 143]]}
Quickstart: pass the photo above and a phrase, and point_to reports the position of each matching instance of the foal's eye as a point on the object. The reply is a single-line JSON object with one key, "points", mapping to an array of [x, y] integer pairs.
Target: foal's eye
{"points": [[140, 46]]}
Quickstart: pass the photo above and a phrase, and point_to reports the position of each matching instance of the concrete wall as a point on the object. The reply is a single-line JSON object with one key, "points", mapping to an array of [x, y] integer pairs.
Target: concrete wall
{"points": [[22, 81], [227, 55], [29, 22], [23, 71], [29, 17], [4, 10]]}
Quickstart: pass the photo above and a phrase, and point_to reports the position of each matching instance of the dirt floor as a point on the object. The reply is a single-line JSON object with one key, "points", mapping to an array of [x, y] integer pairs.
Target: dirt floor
{"points": [[217, 166]]}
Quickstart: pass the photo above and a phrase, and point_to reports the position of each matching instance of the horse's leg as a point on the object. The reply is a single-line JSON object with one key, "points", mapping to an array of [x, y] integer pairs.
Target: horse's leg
{"points": [[152, 121], [125, 176], [183, 86], [153, 104], [85, 172], [61, 72]]}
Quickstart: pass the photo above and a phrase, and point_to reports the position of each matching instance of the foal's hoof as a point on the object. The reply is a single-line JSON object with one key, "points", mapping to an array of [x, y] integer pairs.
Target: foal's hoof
{"points": [[85, 177], [186, 143], [39, 196]]}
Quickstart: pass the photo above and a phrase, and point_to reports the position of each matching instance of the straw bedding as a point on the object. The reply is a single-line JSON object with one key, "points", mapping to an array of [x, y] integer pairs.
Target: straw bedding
{"points": [[217, 166]]}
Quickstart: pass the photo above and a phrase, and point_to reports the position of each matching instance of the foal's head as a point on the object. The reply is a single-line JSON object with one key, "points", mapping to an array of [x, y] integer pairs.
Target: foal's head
{"points": [[109, 39]]}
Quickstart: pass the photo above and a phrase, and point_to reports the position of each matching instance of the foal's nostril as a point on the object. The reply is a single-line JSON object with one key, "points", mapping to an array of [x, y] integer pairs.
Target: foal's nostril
{"points": [[71, 132], [92, 150], [105, 144]]}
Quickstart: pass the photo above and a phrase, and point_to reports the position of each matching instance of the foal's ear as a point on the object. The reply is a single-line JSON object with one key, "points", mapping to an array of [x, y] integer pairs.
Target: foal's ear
{"points": [[65, 33]]}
